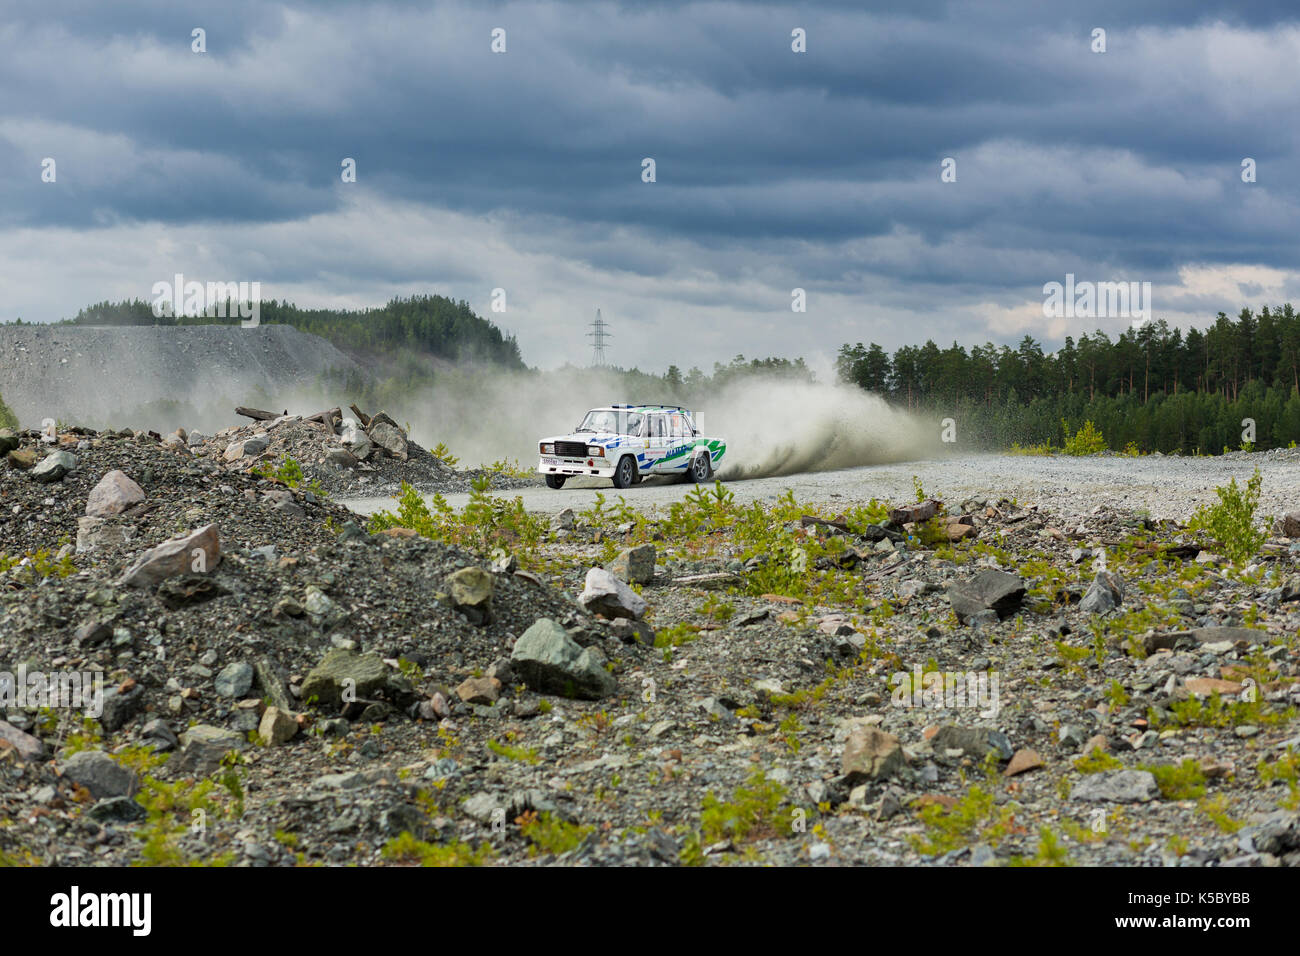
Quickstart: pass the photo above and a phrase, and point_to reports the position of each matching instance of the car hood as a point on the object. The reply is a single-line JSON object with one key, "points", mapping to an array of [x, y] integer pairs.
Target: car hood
{"points": [[586, 438]]}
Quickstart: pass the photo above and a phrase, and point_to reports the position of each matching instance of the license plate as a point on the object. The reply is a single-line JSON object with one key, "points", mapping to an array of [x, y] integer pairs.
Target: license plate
{"points": [[550, 461]]}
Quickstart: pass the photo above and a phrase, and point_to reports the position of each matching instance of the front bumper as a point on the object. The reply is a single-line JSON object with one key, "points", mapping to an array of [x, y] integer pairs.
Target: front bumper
{"points": [[572, 467]]}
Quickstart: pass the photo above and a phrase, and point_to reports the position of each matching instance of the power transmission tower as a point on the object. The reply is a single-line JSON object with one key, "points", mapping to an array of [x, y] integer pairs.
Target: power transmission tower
{"points": [[598, 337]]}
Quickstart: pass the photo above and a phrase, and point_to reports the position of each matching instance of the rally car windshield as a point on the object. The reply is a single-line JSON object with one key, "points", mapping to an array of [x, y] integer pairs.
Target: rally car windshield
{"points": [[601, 422]]}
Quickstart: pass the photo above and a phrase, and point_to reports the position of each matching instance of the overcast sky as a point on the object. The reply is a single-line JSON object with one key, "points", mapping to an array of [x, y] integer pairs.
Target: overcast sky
{"points": [[522, 170]]}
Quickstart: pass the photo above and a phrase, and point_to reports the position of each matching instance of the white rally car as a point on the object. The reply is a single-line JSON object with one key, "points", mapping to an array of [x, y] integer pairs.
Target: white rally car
{"points": [[628, 442]]}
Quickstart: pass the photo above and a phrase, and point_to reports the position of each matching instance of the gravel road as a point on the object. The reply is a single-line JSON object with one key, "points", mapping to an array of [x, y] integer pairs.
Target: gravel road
{"points": [[1167, 487]]}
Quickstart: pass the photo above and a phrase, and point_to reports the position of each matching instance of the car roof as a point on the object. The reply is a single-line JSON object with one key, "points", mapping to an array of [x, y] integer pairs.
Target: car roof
{"points": [[642, 408]]}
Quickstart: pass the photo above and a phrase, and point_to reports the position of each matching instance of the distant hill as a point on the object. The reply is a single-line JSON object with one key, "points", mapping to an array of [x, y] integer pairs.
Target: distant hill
{"points": [[430, 324]]}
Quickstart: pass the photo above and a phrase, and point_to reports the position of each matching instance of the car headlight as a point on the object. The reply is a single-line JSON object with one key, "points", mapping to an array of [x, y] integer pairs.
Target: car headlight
{"points": [[595, 451], [548, 449]]}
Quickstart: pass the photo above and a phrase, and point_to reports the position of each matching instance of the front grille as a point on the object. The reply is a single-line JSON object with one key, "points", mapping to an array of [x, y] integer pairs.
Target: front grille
{"points": [[571, 449]]}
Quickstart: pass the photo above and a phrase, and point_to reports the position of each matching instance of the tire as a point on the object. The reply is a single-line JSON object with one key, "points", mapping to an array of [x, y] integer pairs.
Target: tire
{"points": [[554, 481], [701, 469], [625, 473]]}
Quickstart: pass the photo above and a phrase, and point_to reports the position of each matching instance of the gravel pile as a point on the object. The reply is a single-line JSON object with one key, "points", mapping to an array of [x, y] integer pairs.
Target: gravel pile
{"points": [[376, 686]]}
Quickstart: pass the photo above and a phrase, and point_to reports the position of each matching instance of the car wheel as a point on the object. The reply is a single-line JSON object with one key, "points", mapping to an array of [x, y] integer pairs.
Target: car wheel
{"points": [[625, 473], [701, 468], [554, 481]]}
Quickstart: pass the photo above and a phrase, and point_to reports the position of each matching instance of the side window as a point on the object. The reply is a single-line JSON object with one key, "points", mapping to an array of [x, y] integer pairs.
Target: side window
{"points": [[657, 427], [634, 424], [679, 427]]}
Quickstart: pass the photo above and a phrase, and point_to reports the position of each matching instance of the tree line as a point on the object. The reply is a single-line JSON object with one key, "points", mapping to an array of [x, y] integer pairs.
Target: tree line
{"points": [[428, 324], [1154, 386]]}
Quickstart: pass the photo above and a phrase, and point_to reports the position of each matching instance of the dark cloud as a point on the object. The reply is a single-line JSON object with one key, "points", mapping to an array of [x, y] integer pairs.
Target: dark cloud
{"points": [[773, 168]]}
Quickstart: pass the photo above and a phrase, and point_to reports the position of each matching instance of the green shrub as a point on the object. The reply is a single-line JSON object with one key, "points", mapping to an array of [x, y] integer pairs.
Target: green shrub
{"points": [[1230, 524], [7, 418], [1088, 440]]}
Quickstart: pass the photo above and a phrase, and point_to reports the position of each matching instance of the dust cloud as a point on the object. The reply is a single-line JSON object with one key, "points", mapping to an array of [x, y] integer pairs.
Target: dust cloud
{"points": [[772, 426]]}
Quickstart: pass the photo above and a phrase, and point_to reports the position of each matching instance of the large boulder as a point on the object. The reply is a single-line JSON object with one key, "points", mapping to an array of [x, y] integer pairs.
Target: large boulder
{"points": [[635, 565], [114, 494], [470, 591], [390, 438], [344, 675], [1104, 594], [203, 747], [990, 590], [100, 774], [548, 660], [871, 754], [607, 595], [54, 466], [1117, 786], [198, 552]]}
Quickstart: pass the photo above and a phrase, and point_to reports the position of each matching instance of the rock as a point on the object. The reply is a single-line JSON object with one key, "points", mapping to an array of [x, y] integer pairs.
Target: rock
{"points": [[471, 593], [921, 511], [118, 810], [248, 446], [564, 521], [120, 706], [958, 532], [343, 673], [1023, 761], [95, 533], [632, 632], [91, 633], [8, 441], [113, 495], [318, 606], [21, 458], [186, 590], [283, 503], [272, 684], [635, 565], [1117, 786], [340, 457], [607, 595], [479, 690], [548, 660], [99, 774], [356, 442], [54, 466], [160, 735], [1288, 525], [199, 551], [988, 590], [871, 754], [390, 438], [1290, 590], [1205, 686], [235, 679], [28, 748], [974, 742], [1104, 594], [203, 747], [277, 727]]}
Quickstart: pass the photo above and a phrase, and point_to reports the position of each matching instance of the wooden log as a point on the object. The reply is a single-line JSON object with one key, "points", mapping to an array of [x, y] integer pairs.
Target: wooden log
{"points": [[362, 417], [257, 415]]}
